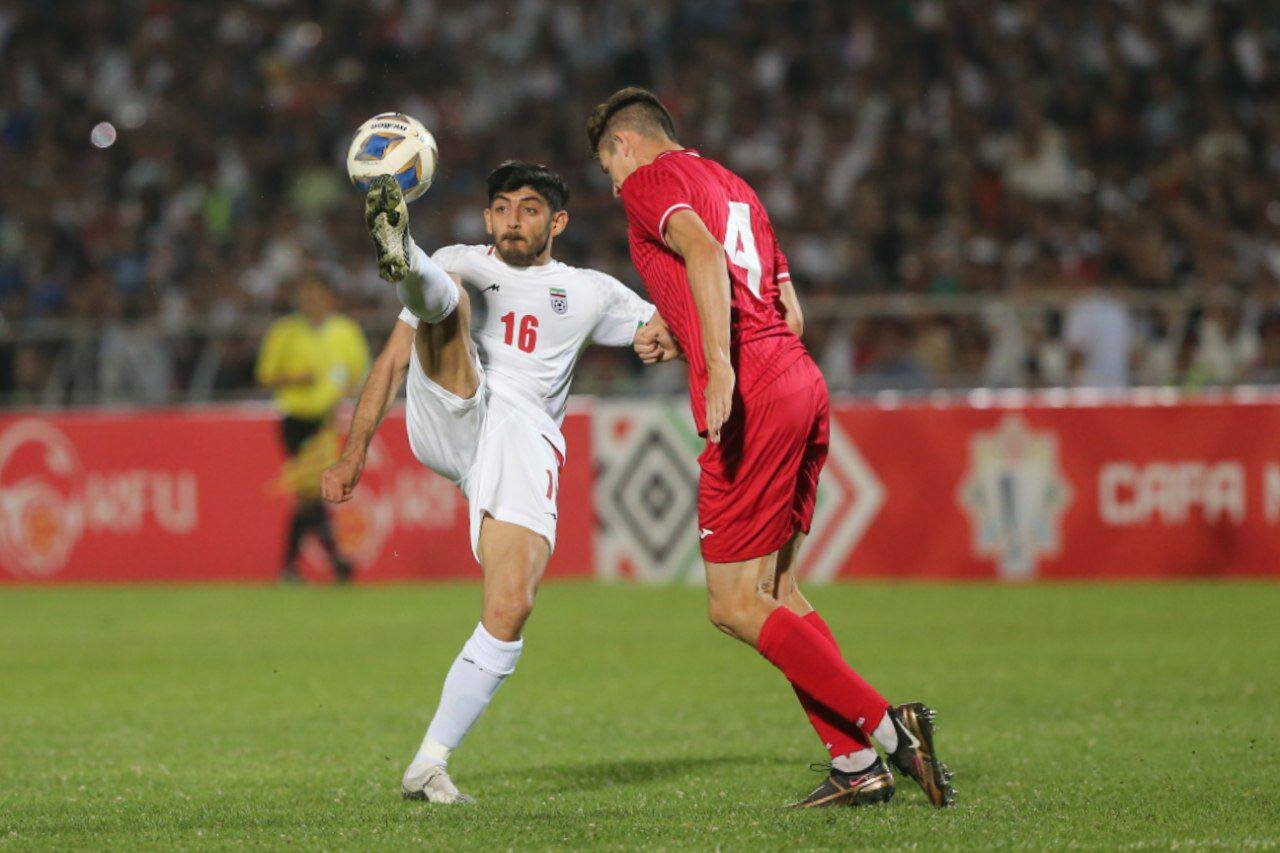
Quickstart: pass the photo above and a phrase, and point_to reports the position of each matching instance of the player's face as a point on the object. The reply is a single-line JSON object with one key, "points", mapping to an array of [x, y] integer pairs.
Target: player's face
{"points": [[523, 226], [617, 161]]}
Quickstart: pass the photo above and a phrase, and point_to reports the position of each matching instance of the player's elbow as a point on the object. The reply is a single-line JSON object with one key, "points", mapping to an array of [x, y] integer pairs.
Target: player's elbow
{"points": [[705, 250]]}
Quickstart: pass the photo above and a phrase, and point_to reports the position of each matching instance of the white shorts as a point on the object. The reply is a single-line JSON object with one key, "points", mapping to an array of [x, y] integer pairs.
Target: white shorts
{"points": [[495, 451]]}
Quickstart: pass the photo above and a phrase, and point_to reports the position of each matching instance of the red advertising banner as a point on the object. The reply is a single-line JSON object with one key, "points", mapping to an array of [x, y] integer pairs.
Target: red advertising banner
{"points": [[1001, 487], [1052, 491], [194, 495]]}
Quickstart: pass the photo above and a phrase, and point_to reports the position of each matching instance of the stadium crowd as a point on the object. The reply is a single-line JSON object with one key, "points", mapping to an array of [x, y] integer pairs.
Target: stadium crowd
{"points": [[1094, 149]]}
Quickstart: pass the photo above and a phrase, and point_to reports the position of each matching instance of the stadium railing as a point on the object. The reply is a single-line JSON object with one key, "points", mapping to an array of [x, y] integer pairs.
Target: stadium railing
{"points": [[55, 361]]}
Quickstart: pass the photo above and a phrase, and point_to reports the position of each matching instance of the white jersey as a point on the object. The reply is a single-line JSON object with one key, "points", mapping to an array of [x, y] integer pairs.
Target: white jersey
{"points": [[530, 324]]}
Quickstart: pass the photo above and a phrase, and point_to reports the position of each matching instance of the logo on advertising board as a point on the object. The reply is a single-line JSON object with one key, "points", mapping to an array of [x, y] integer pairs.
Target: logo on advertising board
{"points": [[48, 501], [1015, 495], [391, 497]]}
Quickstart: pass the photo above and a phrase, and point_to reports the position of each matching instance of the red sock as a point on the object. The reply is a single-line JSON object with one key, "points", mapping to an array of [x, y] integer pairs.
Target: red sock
{"points": [[826, 723], [811, 663]]}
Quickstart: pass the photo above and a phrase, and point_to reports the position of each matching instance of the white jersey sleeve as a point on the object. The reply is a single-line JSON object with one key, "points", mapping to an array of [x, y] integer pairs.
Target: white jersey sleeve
{"points": [[622, 311]]}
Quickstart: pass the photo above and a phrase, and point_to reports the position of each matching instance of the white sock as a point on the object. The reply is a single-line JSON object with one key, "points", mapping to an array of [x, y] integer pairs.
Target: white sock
{"points": [[885, 734], [476, 674], [427, 291], [855, 761]]}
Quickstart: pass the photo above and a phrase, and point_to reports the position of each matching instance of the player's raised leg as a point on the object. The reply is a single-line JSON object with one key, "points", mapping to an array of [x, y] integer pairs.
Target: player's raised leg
{"points": [[443, 343], [513, 559]]}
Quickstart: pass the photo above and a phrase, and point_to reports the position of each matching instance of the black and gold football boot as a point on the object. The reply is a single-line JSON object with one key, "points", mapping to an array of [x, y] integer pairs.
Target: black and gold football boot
{"points": [[863, 788], [386, 215], [915, 755]]}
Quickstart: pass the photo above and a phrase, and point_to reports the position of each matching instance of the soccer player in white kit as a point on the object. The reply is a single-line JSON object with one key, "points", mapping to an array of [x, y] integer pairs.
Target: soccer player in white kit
{"points": [[489, 337]]}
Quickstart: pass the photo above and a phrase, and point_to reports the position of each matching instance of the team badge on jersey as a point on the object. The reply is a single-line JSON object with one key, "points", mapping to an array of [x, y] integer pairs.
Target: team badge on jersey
{"points": [[559, 300]]}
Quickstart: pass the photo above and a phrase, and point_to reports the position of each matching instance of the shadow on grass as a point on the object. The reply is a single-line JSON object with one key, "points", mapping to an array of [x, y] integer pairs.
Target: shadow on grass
{"points": [[594, 775]]}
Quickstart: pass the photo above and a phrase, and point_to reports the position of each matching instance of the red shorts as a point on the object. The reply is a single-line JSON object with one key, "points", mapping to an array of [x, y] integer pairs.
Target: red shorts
{"points": [[759, 484]]}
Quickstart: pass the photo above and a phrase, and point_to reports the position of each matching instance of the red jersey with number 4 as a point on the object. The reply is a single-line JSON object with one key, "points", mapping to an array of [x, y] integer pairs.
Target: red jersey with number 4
{"points": [[762, 346]]}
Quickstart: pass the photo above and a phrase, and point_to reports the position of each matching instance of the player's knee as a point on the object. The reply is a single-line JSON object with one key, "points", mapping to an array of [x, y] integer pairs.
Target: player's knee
{"points": [[507, 613], [730, 611]]}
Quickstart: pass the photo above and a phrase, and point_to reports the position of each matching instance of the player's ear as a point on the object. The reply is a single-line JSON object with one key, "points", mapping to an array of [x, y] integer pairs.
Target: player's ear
{"points": [[488, 222], [559, 221]]}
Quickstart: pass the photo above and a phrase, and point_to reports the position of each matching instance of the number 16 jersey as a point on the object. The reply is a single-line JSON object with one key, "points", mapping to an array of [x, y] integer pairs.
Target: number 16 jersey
{"points": [[530, 324], [762, 346]]}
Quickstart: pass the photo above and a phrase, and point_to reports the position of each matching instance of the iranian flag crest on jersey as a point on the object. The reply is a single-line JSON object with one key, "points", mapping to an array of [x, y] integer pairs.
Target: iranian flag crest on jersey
{"points": [[559, 300]]}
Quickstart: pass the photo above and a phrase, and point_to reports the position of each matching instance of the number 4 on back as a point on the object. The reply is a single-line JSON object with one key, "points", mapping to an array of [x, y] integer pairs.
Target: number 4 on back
{"points": [[740, 244]]}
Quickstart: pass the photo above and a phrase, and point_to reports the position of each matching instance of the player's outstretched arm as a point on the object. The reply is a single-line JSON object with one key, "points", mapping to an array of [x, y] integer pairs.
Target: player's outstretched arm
{"points": [[627, 320], [380, 388], [704, 262]]}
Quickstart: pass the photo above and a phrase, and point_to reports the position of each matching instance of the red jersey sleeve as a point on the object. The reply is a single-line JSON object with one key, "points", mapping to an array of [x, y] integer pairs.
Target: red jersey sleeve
{"points": [[650, 195]]}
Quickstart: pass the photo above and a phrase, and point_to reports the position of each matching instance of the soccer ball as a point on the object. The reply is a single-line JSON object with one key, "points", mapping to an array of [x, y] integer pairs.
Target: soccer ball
{"points": [[393, 144]]}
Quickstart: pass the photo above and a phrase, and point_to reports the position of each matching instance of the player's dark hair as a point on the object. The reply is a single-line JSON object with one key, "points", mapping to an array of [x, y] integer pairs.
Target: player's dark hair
{"points": [[639, 107], [513, 174]]}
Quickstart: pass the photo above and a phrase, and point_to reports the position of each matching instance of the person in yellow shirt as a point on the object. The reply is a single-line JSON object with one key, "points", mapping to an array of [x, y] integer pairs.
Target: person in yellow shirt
{"points": [[310, 360]]}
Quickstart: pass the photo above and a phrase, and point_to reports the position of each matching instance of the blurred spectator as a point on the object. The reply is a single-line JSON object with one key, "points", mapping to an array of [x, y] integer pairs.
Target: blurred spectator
{"points": [[932, 147], [134, 363], [1098, 333]]}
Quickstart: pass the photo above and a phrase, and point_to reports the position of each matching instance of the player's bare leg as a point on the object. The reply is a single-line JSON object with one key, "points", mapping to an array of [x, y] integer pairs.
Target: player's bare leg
{"points": [[443, 347], [443, 343], [748, 600], [912, 724], [855, 772], [445, 350], [513, 559]]}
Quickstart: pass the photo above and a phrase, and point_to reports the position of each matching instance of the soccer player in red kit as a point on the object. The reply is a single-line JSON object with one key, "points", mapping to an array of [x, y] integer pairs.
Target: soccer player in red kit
{"points": [[703, 244]]}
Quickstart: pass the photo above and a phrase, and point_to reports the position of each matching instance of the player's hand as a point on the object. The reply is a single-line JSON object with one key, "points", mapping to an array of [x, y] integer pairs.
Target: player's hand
{"points": [[719, 394], [654, 343], [338, 482]]}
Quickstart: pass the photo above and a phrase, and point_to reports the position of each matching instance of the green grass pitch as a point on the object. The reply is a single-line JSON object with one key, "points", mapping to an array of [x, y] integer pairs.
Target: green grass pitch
{"points": [[1125, 715]]}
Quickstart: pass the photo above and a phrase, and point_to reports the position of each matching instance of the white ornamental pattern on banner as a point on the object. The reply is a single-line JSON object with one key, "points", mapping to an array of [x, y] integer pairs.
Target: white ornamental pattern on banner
{"points": [[646, 493]]}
